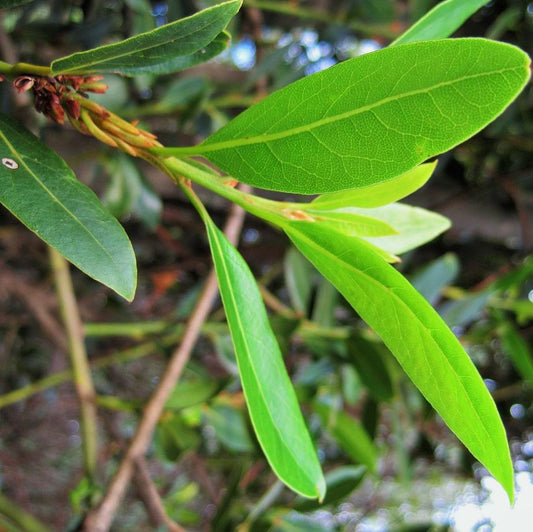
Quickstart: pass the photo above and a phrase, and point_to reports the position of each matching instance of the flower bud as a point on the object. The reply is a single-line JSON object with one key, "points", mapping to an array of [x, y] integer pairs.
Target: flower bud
{"points": [[23, 83]]}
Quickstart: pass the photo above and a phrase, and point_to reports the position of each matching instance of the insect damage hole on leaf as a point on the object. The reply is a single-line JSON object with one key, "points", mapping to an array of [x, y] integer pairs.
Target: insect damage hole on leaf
{"points": [[11, 164]]}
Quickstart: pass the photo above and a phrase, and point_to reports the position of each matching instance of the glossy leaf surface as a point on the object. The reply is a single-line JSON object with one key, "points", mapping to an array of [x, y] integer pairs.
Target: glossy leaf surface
{"points": [[425, 347], [441, 21], [269, 394], [38, 187], [378, 194], [370, 118], [168, 48]]}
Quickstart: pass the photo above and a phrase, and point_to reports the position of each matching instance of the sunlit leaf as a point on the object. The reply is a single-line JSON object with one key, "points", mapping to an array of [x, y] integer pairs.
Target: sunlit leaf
{"points": [[441, 21], [269, 394], [415, 226], [370, 118], [378, 194], [425, 347]]}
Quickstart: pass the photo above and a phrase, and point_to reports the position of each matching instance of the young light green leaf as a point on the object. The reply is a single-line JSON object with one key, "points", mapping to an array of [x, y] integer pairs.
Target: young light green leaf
{"points": [[415, 226], [38, 187], [269, 394], [168, 48], [368, 119], [378, 194], [441, 21], [425, 347], [349, 434], [352, 223]]}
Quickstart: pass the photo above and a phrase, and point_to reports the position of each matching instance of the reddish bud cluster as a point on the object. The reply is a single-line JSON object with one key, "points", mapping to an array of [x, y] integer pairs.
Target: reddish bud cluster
{"points": [[53, 96], [65, 96]]}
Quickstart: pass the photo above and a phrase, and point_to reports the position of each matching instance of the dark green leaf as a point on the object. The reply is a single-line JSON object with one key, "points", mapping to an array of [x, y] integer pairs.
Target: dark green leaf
{"points": [[38, 187], [367, 358], [168, 48], [192, 392], [370, 118], [339, 484], [349, 434], [174, 436], [281, 431], [441, 21], [517, 350], [427, 350]]}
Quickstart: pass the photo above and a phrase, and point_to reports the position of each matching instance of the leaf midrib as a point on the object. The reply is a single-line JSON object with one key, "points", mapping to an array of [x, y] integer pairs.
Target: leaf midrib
{"points": [[54, 197], [259, 387], [373, 281], [206, 147]]}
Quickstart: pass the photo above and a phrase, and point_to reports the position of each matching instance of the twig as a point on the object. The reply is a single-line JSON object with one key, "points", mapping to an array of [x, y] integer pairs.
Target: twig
{"points": [[152, 501], [78, 359], [16, 515], [100, 519], [289, 8], [35, 300]]}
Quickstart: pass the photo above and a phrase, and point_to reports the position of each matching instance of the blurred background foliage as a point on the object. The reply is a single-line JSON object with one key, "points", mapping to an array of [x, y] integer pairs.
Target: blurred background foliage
{"points": [[391, 463]]}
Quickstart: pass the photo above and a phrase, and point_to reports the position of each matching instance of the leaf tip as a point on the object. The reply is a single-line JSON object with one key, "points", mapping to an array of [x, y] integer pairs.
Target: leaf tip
{"points": [[321, 489]]}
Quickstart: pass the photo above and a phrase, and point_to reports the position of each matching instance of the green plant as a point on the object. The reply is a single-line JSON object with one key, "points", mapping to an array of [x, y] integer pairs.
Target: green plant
{"points": [[357, 134]]}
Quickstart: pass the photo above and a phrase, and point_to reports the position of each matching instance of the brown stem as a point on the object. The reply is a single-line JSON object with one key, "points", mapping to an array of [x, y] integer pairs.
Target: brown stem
{"points": [[152, 502], [100, 519]]}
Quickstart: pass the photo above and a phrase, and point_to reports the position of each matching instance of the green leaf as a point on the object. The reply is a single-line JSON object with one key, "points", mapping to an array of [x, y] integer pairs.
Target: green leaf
{"points": [[435, 276], [425, 347], [351, 222], [230, 427], [415, 226], [339, 484], [298, 279], [192, 392], [367, 358], [517, 350], [441, 21], [269, 394], [378, 194], [349, 434], [368, 119], [165, 49], [38, 187]]}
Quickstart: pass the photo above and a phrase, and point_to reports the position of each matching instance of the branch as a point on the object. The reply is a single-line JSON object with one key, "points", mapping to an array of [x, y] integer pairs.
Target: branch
{"points": [[152, 501], [100, 519], [78, 359]]}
